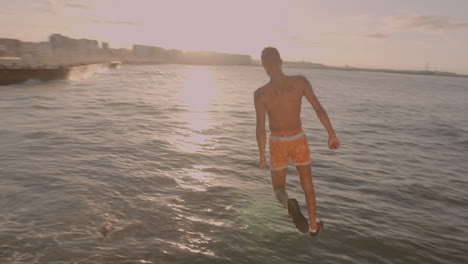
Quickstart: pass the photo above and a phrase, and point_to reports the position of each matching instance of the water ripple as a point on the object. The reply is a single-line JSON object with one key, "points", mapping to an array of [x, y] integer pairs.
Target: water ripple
{"points": [[157, 164]]}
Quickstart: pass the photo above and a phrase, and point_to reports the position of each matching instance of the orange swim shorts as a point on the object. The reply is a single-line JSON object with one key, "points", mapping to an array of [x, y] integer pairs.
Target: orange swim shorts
{"points": [[288, 146]]}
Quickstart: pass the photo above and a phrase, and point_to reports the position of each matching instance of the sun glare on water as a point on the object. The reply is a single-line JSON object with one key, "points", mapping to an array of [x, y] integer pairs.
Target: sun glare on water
{"points": [[198, 90], [196, 95]]}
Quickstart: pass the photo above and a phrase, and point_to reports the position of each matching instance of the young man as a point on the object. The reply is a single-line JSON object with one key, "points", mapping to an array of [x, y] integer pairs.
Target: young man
{"points": [[281, 99]]}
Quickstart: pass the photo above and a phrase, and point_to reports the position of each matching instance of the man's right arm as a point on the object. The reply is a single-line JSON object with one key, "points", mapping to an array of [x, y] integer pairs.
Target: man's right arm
{"points": [[333, 142], [260, 110]]}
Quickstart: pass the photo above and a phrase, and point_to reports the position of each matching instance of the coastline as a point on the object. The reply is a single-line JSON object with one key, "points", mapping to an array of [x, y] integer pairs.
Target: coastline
{"points": [[50, 59], [306, 65], [309, 65], [19, 74], [412, 72]]}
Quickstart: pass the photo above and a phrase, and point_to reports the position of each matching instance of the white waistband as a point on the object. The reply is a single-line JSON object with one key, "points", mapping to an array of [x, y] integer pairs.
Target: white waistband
{"points": [[287, 138]]}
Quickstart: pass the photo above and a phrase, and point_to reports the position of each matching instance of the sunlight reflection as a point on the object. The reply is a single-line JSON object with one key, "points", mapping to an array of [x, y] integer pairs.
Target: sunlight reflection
{"points": [[198, 89], [194, 179], [198, 121], [194, 249], [196, 95], [191, 142]]}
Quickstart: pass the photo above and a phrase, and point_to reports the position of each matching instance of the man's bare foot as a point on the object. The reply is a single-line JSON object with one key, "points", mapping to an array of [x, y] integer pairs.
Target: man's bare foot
{"points": [[315, 228]]}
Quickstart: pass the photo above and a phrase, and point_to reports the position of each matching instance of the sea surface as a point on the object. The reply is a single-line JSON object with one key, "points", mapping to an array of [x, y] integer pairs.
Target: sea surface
{"points": [[158, 164]]}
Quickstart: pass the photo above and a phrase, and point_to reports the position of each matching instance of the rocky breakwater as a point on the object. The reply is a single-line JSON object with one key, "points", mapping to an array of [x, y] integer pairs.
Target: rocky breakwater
{"points": [[20, 74]]}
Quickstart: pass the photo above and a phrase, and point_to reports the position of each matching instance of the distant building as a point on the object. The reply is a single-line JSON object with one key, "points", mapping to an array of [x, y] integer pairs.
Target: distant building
{"points": [[149, 52], [63, 50], [235, 59], [62, 44], [106, 49], [10, 47], [121, 54], [58, 41], [174, 55], [42, 49], [209, 57], [142, 50]]}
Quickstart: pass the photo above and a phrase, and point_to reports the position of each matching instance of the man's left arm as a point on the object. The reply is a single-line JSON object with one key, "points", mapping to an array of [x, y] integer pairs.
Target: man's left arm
{"points": [[260, 109], [333, 141]]}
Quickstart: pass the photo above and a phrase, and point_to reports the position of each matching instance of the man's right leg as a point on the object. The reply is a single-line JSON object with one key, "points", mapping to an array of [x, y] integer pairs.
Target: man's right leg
{"points": [[278, 180]]}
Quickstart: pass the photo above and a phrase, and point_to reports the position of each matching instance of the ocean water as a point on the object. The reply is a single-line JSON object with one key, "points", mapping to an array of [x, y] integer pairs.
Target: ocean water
{"points": [[157, 164]]}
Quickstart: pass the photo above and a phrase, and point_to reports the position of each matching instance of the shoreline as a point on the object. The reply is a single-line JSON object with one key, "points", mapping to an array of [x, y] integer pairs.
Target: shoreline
{"points": [[321, 67], [21, 73], [408, 72]]}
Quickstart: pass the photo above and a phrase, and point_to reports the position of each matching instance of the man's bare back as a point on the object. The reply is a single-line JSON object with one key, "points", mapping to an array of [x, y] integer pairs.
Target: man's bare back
{"points": [[283, 101]]}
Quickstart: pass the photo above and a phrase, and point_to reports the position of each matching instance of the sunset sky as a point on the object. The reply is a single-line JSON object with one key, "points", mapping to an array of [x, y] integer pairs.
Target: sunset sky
{"points": [[397, 34]]}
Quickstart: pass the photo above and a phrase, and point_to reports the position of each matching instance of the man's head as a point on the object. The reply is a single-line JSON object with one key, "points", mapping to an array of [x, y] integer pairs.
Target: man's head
{"points": [[271, 60]]}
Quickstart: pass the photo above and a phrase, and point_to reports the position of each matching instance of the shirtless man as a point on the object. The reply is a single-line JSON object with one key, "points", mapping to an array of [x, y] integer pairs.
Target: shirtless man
{"points": [[281, 99]]}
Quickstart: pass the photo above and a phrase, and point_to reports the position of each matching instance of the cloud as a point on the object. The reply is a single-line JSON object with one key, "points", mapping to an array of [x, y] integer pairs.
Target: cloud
{"points": [[48, 7], [116, 22], [79, 6], [426, 23], [375, 35], [56, 6], [332, 34], [302, 40]]}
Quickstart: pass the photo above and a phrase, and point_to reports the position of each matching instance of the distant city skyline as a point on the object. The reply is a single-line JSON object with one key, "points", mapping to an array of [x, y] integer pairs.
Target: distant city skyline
{"points": [[413, 35]]}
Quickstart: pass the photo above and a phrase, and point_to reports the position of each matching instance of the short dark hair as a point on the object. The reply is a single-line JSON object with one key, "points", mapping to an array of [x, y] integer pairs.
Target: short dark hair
{"points": [[270, 55]]}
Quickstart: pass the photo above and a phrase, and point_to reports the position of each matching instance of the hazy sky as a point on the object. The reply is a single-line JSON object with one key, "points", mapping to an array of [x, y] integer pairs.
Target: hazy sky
{"points": [[404, 34]]}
